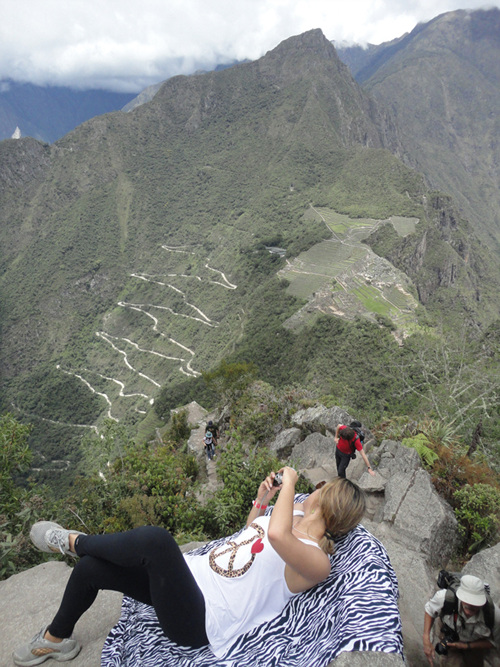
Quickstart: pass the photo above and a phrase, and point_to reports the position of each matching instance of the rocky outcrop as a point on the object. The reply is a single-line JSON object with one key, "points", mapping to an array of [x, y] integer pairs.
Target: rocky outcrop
{"points": [[23, 161], [417, 528], [29, 600]]}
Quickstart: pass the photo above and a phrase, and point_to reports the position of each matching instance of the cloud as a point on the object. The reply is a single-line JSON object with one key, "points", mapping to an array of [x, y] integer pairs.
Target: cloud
{"points": [[127, 45]]}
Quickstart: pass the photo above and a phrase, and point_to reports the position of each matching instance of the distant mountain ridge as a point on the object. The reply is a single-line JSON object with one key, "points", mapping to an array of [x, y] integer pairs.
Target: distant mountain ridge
{"points": [[442, 82], [47, 113]]}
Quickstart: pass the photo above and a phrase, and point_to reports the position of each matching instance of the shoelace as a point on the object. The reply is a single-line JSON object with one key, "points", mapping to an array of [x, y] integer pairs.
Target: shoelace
{"points": [[57, 538]]}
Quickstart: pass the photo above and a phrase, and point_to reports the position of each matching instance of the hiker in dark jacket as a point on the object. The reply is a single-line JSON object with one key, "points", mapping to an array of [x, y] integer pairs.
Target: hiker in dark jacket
{"points": [[467, 623], [214, 431], [208, 443]]}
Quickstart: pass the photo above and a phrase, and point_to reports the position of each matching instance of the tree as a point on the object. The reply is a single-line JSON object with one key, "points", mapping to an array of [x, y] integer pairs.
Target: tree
{"points": [[101, 449], [18, 506], [228, 380], [453, 380], [15, 457]]}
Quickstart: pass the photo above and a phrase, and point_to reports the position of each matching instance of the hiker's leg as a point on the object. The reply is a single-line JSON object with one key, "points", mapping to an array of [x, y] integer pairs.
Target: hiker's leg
{"points": [[474, 658], [342, 460], [146, 564], [453, 659]]}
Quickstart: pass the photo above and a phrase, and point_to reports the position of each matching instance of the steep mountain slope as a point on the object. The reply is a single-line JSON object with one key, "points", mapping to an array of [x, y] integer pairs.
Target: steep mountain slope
{"points": [[134, 250], [49, 112], [442, 81]]}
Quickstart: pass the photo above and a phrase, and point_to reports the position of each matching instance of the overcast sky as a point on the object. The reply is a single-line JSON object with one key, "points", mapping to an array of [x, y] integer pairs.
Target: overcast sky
{"points": [[126, 45]]}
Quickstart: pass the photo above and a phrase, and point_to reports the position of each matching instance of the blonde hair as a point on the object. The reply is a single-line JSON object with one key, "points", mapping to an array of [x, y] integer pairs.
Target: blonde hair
{"points": [[342, 504]]}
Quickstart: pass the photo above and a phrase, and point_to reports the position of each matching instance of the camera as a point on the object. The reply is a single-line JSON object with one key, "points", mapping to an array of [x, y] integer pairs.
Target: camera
{"points": [[449, 635], [278, 479], [442, 647]]}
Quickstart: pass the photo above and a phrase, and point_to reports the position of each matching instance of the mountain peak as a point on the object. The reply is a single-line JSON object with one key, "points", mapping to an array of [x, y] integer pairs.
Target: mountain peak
{"points": [[310, 50]]}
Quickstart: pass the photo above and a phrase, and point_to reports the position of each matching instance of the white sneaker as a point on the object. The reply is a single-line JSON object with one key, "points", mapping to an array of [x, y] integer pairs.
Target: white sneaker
{"points": [[39, 649], [51, 537]]}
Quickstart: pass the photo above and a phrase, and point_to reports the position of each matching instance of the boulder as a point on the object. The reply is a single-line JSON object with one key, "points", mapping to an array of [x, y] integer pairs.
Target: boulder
{"points": [[309, 417], [392, 457], [332, 417], [195, 413], [285, 441], [367, 659], [29, 600], [323, 473], [426, 522], [314, 451], [195, 441], [416, 582], [325, 420], [486, 566]]}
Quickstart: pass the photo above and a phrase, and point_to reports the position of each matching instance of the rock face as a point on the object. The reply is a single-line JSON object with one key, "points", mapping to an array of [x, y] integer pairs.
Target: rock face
{"points": [[417, 528], [29, 600]]}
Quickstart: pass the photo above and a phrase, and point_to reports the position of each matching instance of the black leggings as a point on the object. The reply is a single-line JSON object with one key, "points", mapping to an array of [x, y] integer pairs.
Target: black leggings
{"points": [[145, 564]]}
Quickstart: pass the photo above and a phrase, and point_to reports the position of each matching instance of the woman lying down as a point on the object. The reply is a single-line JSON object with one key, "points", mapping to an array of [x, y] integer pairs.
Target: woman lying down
{"points": [[207, 599]]}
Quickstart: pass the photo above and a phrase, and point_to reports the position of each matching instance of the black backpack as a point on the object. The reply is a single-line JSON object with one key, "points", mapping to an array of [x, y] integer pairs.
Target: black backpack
{"points": [[451, 581], [356, 427]]}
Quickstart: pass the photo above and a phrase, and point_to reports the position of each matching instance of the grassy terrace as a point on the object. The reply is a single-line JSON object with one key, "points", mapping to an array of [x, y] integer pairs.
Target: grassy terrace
{"points": [[343, 275]]}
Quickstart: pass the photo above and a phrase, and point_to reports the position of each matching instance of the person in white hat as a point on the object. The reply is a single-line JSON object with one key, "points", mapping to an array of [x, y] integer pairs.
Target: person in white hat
{"points": [[468, 620]]}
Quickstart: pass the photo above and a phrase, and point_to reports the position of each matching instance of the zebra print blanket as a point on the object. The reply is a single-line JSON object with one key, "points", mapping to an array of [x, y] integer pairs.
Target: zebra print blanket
{"points": [[355, 609]]}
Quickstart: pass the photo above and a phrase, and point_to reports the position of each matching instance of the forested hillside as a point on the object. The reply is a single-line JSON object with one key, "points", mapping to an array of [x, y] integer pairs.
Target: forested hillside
{"points": [[259, 214]]}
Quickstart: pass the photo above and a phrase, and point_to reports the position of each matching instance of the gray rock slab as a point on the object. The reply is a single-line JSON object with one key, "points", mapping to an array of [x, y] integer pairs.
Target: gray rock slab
{"points": [[29, 600], [195, 441], [396, 489], [285, 442], [393, 457], [309, 415], [367, 659], [426, 521], [195, 413], [314, 451], [486, 566], [321, 474], [372, 483], [332, 417], [416, 583]]}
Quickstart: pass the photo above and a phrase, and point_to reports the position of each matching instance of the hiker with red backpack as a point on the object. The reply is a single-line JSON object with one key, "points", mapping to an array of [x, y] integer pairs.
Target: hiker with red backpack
{"points": [[349, 440], [468, 620]]}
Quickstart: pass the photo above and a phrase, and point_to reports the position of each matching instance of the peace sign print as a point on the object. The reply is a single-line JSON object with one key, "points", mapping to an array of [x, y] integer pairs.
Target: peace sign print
{"points": [[231, 547]]}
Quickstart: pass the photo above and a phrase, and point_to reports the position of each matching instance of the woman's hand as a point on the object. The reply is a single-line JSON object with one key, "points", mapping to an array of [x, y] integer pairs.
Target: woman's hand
{"points": [[290, 476], [267, 489]]}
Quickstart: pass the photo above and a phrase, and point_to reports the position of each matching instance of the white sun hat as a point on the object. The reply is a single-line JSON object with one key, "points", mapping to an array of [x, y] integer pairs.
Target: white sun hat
{"points": [[471, 591]]}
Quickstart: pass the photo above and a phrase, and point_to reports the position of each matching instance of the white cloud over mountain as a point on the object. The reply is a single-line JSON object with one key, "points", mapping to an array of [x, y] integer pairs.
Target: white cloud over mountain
{"points": [[127, 45]]}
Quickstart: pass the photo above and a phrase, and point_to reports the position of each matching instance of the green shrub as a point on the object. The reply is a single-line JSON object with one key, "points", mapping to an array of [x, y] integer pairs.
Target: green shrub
{"points": [[19, 507], [241, 474], [478, 514], [178, 430], [420, 444]]}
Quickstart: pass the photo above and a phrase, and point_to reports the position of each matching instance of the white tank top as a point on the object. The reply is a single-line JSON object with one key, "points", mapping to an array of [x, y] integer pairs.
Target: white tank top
{"points": [[243, 583]]}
